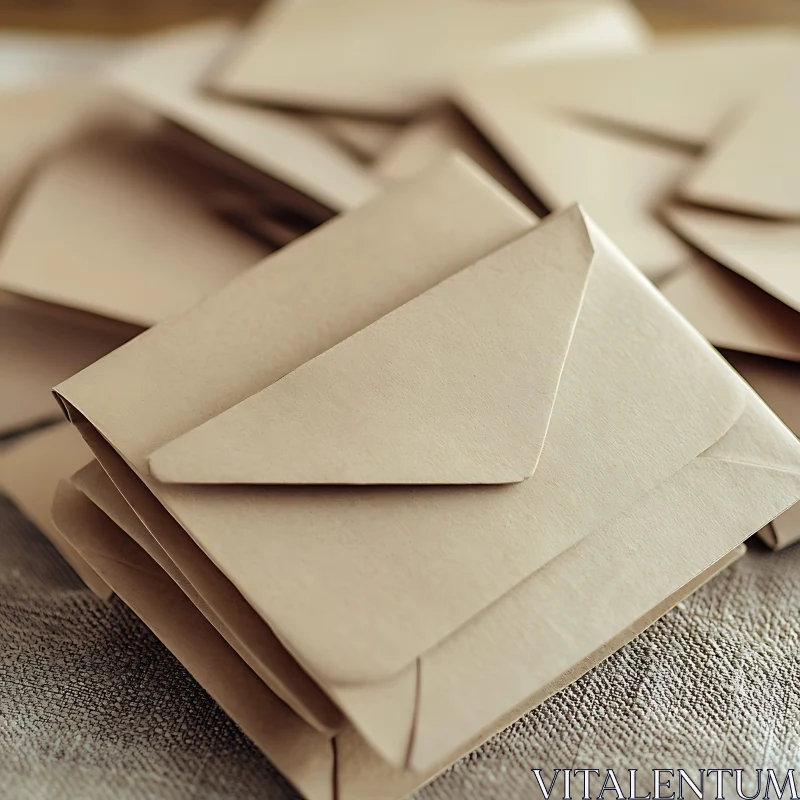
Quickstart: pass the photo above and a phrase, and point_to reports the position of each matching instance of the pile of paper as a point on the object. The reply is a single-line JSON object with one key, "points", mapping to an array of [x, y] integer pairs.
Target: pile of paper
{"points": [[385, 483]]}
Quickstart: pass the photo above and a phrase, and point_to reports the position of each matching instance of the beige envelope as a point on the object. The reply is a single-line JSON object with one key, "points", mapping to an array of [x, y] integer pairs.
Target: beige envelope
{"points": [[551, 357], [317, 767], [384, 57], [754, 167], [165, 73], [31, 469], [763, 251], [684, 89], [733, 313], [757, 312], [39, 349], [121, 226], [35, 120], [421, 145], [621, 181]]}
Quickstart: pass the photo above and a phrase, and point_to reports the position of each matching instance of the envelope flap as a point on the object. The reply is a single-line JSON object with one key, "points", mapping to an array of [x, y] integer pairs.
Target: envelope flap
{"points": [[455, 387]]}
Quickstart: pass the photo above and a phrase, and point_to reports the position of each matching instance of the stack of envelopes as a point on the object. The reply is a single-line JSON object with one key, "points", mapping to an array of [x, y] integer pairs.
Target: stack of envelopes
{"points": [[387, 470], [383, 459], [126, 200]]}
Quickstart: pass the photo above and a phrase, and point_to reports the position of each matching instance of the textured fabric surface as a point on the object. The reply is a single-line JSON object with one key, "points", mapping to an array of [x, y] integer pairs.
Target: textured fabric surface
{"points": [[92, 706]]}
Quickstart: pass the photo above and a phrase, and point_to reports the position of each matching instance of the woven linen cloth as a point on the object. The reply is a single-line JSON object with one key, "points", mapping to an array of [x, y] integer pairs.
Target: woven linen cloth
{"points": [[93, 706]]}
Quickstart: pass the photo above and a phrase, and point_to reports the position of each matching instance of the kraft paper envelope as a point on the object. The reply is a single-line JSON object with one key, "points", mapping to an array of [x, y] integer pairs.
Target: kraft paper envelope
{"points": [[756, 310], [621, 181], [421, 145], [39, 349], [753, 167], [31, 469], [685, 89], [324, 55], [121, 226], [36, 119], [762, 251], [317, 767], [165, 74], [546, 388], [778, 383], [732, 313]]}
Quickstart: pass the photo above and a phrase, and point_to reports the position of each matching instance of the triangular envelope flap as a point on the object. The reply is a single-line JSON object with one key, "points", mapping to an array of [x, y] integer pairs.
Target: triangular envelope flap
{"points": [[457, 386], [763, 251], [357, 582], [165, 73], [682, 89]]}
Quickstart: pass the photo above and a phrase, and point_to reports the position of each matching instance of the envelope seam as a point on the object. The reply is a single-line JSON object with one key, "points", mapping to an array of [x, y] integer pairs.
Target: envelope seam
{"points": [[743, 463]]}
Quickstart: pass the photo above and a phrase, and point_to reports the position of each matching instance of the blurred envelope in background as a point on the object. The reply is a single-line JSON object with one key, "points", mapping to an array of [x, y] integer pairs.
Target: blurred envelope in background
{"points": [[621, 181], [39, 349], [36, 119], [683, 90], [119, 225], [437, 136], [422, 460], [166, 72], [323, 56], [754, 165], [31, 469]]}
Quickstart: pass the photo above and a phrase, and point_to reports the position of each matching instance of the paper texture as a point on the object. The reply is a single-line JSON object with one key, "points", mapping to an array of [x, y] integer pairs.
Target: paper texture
{"points": [[620, 181], [165, 73], [119, 225], [30, 470], [684, 89], [753, 166], [405, 598], [323, 55], [317, 767]]}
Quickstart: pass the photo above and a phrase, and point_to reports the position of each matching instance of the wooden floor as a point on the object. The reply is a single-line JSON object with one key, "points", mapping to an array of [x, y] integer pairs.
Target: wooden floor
{"points": [[127, 16]]}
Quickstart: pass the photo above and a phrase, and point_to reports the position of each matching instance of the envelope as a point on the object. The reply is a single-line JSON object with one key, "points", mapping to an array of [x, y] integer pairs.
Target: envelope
{"points": [[753, 168], [621, 181], [757, 313], [747, 300], [119, 225], [37, 119], [685, 89], [384, 465], [347, 770], [30, 470], [436, 137], [322, 56], [38, 350], [165, 73]]}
